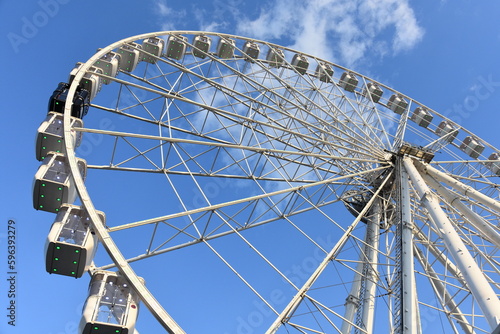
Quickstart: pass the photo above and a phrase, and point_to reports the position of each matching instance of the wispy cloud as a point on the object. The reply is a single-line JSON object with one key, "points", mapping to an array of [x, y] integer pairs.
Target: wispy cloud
{"points": [[346, 31], [379, 15], [170, 17], [342, 30]]}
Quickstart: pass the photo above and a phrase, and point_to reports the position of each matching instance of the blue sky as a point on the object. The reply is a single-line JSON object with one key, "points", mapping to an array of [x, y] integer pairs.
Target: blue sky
{"points": [[444, 54]]}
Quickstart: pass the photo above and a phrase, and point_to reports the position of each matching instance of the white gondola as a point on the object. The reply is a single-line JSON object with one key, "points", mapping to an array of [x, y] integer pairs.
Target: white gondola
{"points": [[422, 117], [275, 57], [91, 81], [50, 134], [445, 128], [201, 46], [348, 81], [225, 48], [109, 64], [374, 91], [111, 307], [131, 55], [53, 184], [251, 50], [300, 63], [324, 72], [494, 166], [472, 147], [71, 243], [152, 49], [397, 103], [176, 47]]}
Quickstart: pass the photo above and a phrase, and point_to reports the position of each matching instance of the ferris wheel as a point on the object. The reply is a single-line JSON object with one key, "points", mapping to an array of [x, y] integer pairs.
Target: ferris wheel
{"points": [[246, 183]]}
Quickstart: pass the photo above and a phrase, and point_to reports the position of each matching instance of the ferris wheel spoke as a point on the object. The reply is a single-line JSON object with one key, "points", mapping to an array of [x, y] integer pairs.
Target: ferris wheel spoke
{"points": [[402, 127], [143, 104], [368, 128], [343, 158], [233, 92], [217, 232], [479, 183], [343, 122], [241, 278], [302, 98], [254, 249], [301, 135], [368, 106], [212, 175], [252, 198], [286, 160]]}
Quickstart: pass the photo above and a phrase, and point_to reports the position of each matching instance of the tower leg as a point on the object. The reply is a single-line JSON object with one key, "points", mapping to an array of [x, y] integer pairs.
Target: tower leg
{"points": [[371, 259], [408, 290]]}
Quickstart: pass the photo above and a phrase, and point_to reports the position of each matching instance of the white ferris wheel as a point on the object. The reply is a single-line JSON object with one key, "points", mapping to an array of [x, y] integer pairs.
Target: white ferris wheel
{"points": [[219, 173]]}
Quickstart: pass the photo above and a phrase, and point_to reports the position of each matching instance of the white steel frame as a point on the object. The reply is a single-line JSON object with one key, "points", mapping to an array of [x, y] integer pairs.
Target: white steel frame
{"points": [[444, 245]]}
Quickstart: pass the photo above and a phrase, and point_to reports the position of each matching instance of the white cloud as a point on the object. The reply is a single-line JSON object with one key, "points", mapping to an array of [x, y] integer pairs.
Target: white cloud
{"points": [[338, 29], [344, 31], [170, 18], [201, 15], [379, 15], [162, 8]]}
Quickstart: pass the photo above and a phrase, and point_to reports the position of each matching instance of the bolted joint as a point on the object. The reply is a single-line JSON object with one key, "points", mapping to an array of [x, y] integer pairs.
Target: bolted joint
{"points": [[351, 299]]}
